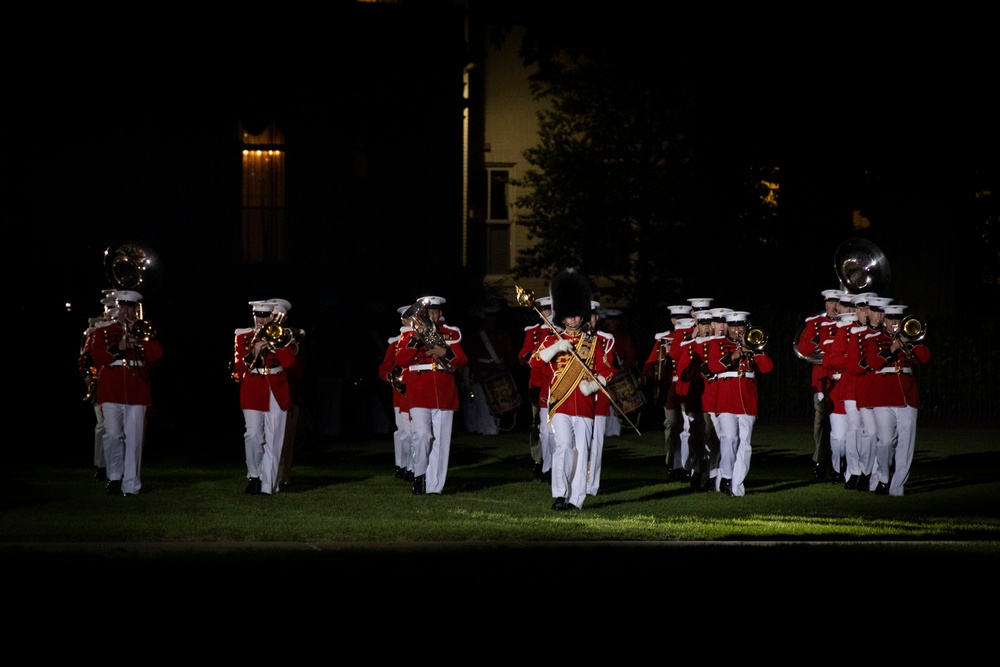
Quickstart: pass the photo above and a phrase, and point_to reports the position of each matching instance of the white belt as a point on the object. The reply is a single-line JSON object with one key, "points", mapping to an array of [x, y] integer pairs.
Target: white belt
{"points": [[734, 374], [836, 376], [119, 362], [906, 370], [267, 371], [423, 367]]}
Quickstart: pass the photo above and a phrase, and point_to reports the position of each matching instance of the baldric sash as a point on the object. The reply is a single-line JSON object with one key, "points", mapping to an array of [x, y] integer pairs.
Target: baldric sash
{"points": [[570, 375]]}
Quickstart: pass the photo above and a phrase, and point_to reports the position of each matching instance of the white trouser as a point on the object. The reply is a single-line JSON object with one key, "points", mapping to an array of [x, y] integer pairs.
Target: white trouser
{"points": [[897, 434], [124, 432], [867, 437], [401, 439], [99, 437], [852, 439], [573, 436], [262, 441], [735, 432], [545, 439], [431, 445], [596, 451], [614, 427], [839, 459]]}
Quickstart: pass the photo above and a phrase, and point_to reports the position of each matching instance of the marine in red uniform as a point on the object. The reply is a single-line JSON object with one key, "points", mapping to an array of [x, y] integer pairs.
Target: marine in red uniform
{"points": [[124, 353], [539, 433], [429, 354], [895, 397], [660, 368], [736, 368], [573, 356], [265, 396], [816, 332], [603, 414], [389, 372], [692, 382]]}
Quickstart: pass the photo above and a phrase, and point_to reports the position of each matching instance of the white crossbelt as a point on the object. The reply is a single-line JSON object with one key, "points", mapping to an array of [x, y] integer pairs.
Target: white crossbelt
{"points": [[267, 371], [119, 362], [734, 374], [906, 370], [423, 367]]}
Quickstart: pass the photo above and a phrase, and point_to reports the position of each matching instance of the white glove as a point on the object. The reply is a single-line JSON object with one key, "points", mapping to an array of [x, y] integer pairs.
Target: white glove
{"points": [[819, 396], [551, 351], [589, 387]]}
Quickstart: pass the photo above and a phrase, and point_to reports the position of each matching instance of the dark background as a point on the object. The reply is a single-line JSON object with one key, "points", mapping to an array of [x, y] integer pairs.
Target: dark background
{"points": [[132, 134]]}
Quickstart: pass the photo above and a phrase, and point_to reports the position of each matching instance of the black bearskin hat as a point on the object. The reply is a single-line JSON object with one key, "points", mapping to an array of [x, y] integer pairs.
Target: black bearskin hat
{"points": [[570, 292]]}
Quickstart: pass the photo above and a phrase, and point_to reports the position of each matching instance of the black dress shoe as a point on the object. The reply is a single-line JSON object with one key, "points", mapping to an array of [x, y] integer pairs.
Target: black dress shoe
{"points": [[408, 476], [101, 474], [863, 483], [546, 477], [695, 481], [114, 487], [419, 485], [400, 472], [571, 506], [559, 504], [852, 483], [882, 489], [819, 470], [536, 470], [726, 486], [253, 486]]}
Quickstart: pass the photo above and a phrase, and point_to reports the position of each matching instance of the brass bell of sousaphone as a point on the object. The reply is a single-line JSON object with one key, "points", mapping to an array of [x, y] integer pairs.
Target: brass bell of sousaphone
{"points": [[861, 267], [132, 265]]}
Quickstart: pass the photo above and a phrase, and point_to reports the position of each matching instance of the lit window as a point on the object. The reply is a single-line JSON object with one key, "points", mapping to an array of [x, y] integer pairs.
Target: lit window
{"points": [[263, 195]]}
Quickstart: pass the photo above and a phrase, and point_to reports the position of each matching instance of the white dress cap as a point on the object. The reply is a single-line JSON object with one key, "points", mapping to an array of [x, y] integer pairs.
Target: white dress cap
{"points": [[679, 310], [280, 305], [431, 301], [700, 302], [894, 309], [128, 295]]}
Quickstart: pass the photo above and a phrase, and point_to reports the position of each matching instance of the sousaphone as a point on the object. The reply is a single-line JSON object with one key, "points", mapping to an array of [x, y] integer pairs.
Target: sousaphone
{"points": [[861, 266]]}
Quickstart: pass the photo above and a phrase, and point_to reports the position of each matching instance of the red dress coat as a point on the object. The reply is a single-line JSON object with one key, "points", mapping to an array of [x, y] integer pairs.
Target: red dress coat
{"points": [[737, 392], [602, 408], [385, 371], [533, 337], [817, 336], [575, 404], [256, 387], [894, 383], [426, 387], [122, 376], [659, 360]]}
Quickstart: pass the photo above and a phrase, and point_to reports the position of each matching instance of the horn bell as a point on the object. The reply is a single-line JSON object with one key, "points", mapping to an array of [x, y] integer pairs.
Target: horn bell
{"points": [[861, 266]]}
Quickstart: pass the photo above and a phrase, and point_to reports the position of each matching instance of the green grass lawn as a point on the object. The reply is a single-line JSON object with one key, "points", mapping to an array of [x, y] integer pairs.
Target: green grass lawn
{"points": [[345, 492], [347, 530]]}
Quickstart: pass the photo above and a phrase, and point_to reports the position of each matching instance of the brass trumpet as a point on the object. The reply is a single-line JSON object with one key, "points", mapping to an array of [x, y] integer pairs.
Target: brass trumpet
{"points": [[911, 329], [274, 335], [754, 340]]}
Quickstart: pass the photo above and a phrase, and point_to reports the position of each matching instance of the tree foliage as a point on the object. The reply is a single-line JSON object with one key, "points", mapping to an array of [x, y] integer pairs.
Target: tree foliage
{"points": [[618, 182]]}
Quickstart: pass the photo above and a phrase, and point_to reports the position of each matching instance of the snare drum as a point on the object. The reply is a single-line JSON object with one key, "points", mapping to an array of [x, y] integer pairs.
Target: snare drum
{"points": [[501, 393], [626, 393]]}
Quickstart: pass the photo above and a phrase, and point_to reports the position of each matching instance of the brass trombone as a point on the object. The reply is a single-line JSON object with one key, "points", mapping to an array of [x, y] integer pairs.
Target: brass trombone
{"points": [[911, 329]]}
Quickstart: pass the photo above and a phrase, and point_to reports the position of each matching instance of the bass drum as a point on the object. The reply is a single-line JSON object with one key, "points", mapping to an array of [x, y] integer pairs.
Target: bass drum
{"points": [[626, 393], [501, 394]]}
